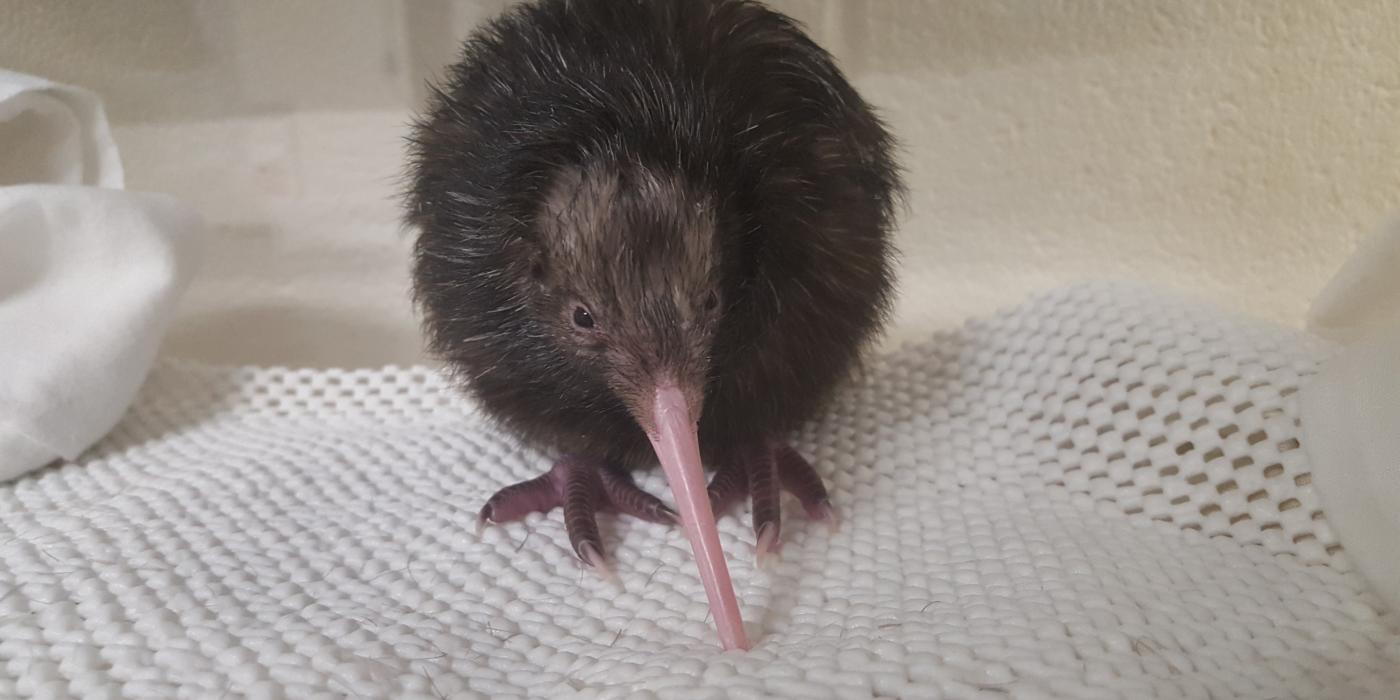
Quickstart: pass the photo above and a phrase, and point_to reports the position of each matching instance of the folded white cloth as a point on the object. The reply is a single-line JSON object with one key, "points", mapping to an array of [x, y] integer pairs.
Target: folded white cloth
{"points": [[1351, 410], [89, 274], [55, 134]]}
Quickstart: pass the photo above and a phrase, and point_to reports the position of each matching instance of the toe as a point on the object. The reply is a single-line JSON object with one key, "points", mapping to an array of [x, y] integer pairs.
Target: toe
{"points": [[801, 480], [538, 495], [727, 487], [627, 498], [583, 494], [763, 489]]}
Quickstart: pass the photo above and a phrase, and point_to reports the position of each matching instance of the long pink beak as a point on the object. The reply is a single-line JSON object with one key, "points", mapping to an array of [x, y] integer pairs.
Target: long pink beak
{"points": [[677, 446]]}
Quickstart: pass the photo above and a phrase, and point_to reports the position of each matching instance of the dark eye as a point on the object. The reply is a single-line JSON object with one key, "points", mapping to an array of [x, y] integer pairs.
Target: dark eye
{"points": [[711, 301], [582, 318]]}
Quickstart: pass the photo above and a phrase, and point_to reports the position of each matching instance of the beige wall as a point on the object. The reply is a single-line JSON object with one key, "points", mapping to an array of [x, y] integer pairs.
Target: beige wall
{"points": [[1233, 149]]}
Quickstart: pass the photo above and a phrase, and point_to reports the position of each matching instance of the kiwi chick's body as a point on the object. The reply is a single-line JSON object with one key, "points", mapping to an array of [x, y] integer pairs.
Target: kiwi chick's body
{"points": [[638, 215]]}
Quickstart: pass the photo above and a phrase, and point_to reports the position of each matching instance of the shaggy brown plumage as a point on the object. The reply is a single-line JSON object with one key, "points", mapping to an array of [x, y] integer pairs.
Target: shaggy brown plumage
{"points": [[616, 193]]}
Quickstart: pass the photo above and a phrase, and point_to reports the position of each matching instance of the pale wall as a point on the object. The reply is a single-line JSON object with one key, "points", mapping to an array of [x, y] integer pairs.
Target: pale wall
{"points": [[1233, 149]]}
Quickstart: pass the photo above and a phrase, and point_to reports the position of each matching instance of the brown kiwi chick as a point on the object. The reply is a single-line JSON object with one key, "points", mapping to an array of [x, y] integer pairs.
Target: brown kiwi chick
{"points": [[652, 230]]}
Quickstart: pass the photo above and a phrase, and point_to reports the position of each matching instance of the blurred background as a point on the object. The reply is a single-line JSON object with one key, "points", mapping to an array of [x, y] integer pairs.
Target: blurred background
{"points": [[1234, 150]]}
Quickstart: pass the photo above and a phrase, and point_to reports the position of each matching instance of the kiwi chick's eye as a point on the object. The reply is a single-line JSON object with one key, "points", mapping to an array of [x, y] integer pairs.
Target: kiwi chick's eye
{"points": [[711, 301], [582, 317]]}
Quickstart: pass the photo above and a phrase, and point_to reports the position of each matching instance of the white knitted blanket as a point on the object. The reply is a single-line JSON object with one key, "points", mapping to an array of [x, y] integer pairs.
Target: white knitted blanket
{"points": [[1098, 494]]}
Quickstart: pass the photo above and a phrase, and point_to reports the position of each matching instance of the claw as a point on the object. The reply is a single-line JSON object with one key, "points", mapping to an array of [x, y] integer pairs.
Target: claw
{"points": [[659, 513], [825, 512], [769, 546], [593, 558]]}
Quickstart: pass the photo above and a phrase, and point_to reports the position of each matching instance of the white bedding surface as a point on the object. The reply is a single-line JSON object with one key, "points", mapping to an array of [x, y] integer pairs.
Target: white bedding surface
{"points": [[1100, 493]]}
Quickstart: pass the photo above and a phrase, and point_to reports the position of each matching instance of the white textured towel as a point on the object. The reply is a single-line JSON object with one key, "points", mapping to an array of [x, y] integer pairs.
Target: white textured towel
{"points": [[1100, 494], [89, 274]]}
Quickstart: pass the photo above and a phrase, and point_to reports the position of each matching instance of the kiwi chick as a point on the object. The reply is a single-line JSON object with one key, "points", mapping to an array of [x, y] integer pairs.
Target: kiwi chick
{"points": [[652, 230]]}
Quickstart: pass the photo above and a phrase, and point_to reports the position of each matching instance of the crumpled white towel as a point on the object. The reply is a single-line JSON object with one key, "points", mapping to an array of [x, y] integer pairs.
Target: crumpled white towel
{"points": [[89, 274], [1351, 410]]}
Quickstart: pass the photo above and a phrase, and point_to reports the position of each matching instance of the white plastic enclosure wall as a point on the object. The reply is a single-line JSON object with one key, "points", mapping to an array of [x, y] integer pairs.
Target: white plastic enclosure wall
{"points": [[1236, 150]]}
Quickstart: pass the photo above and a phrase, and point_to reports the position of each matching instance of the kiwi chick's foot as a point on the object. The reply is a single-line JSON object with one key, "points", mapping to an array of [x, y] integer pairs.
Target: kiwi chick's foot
{"points": [[763, 471], [584, 488]]}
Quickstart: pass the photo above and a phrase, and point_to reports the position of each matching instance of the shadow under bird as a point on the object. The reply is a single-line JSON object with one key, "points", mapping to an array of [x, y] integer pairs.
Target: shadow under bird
{"points": [[652, 230]]}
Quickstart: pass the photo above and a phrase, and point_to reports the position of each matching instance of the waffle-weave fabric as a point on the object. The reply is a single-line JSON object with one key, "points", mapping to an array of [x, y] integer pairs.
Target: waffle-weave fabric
{"points": [[1100, 493]]}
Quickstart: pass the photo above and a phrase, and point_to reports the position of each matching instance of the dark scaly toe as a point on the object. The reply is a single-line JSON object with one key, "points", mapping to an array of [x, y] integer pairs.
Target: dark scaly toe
{"points": [[802, 481], [629, 499], [767, 512], [583, 498], [730, 483]]}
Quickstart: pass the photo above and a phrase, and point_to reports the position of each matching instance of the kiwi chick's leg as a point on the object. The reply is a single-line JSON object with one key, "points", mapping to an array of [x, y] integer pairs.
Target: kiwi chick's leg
{"points": [[584, 488]]}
